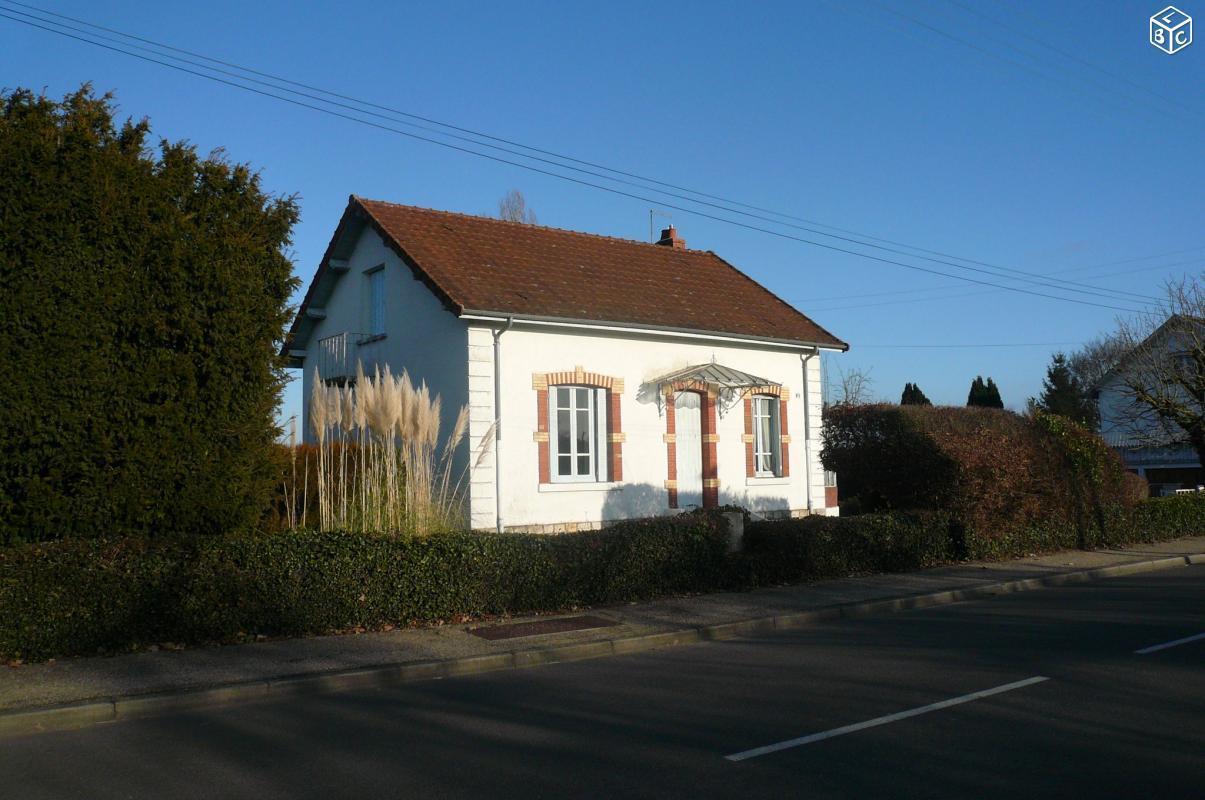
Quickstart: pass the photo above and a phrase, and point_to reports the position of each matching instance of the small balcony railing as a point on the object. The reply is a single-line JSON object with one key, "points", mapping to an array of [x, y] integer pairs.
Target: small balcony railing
{"points": [[338, 356]]}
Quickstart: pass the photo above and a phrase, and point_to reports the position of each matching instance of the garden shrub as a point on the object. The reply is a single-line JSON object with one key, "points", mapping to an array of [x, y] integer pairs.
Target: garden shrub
{"points": [[83, 596], [998, 474], [1158, 519], [808, 548], [884, 459], [786, 551], [145, 297]]}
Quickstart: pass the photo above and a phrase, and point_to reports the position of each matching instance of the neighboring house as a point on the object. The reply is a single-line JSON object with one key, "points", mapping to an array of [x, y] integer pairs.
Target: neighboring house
{"points": [[627, 379], [1156, 450]]}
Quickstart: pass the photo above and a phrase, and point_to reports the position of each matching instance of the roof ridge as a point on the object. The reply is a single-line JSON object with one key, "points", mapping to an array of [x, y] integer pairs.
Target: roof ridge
{"points": [[482, 217]]}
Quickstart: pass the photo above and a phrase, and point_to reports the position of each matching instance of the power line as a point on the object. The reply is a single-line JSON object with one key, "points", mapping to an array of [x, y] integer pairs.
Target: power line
{"points": [[1031, 278], [418, 116], [1072, 56], [967, 346], [1058, 272], [953, 286], [1141, 258], [1105, 87], [1027, 67], [994, 270], [571, 179]]}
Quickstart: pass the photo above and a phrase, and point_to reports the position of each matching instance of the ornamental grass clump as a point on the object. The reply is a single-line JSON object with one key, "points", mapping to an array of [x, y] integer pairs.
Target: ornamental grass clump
{"points": [[380, 465]]}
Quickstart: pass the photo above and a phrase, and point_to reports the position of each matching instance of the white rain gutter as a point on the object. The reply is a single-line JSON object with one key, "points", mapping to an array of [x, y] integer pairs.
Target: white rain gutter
{"points": [[510, 321], [649, 330], [807, 428]]}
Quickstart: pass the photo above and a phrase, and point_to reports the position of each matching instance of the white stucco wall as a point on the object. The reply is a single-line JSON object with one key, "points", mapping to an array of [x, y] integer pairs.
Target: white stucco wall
{"points": [[1138, 436], [1121, 422], [421, 335], [1113, 405], [637, 360]]}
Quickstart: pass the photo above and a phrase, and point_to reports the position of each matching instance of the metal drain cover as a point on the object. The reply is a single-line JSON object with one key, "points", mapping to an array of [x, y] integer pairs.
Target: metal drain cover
{"points": [[541, 627]]}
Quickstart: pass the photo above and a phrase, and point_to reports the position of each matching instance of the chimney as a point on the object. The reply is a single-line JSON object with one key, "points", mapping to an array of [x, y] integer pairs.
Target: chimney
{"points": [[670, 238]]}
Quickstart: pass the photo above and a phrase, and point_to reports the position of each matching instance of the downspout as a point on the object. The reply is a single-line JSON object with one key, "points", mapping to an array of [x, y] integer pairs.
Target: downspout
{"points": [[807, 429], [510, 320]]}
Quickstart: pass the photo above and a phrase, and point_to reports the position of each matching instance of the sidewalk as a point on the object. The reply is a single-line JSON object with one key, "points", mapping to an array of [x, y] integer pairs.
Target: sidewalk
{"points": [[83, 691]]}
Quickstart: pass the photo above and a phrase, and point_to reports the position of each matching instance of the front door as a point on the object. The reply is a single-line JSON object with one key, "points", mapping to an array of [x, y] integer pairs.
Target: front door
{"points": [[688, 435]]}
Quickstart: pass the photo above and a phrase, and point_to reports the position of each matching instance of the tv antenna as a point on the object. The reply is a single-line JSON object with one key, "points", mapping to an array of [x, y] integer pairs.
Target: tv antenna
{"points": [[652, 230]]}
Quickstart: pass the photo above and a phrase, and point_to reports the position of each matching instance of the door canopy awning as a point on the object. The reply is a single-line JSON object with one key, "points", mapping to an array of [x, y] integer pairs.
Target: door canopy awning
{"points": [[716, 375]]}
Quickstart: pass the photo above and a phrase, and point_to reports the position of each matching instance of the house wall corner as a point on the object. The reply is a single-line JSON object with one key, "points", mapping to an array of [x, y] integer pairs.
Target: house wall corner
{"points": [[482, 440]]}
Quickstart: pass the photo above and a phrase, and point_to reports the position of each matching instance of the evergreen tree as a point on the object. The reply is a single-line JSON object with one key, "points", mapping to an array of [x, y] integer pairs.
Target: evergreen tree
{"points": [[1062, 393], [146, 295], [991, 395], [913, 396], [984, 395], [975, 395]]}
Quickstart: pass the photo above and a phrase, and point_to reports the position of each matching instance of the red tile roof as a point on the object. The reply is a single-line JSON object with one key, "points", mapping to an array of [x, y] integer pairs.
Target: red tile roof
{"points": [[480, 264]]}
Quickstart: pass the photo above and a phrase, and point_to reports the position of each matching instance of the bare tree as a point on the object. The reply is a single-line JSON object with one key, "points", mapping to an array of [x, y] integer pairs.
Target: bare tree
{"points": [[1096, 358], [513, 207], [853, 387], [1162, 375]]}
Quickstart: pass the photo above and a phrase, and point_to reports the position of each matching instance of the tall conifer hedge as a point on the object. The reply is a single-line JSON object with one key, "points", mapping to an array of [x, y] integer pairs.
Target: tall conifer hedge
{"points": [[144, 295]]}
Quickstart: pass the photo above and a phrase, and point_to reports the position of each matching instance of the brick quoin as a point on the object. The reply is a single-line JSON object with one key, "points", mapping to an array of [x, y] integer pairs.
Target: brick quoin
{"points": [[711, 493], [750, 464], [614, 426]]}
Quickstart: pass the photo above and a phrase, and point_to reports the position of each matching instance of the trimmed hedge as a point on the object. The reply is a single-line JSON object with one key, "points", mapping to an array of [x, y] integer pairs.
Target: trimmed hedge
{"points": [[810, 548], [86, 596], [785, 551], [997, 473]]}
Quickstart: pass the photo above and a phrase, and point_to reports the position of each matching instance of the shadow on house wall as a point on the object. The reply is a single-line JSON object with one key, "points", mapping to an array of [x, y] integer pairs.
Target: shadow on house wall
{"points": [[637, 500], [756, 504]]}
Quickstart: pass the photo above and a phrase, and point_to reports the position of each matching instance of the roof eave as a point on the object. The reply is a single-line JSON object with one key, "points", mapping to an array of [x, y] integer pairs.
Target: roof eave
{"points": [[299, 332], [355, 217], [638, 327]]}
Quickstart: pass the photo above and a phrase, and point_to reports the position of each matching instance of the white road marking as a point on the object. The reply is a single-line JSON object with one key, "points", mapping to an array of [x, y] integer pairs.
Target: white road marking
{"points": [[1157, 647], [871, 723]]}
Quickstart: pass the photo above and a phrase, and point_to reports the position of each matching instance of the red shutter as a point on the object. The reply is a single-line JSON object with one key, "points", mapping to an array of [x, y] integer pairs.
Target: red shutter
{"points": [[671, 451], [542, 441], [785, 468]]}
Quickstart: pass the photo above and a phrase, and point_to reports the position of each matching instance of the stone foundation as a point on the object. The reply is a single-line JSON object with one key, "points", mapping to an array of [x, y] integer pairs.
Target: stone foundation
{"points": [[574, 527]]}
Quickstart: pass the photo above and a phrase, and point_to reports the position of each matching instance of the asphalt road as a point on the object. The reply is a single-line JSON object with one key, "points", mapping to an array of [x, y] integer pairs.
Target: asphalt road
{"points": [[1106, 722]]}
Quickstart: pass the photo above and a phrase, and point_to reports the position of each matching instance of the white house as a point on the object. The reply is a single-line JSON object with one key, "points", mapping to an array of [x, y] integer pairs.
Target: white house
{"points": [[627, 379], [1148, 445]]}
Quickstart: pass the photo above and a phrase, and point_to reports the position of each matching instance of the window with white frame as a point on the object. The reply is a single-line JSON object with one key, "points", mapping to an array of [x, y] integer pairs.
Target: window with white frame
{"points": [[376, 302], [767, 441], [578, 427]]}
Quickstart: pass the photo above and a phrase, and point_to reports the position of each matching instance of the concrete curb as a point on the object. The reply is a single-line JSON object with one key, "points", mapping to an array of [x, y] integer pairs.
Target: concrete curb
{"points": [[115, 709]]}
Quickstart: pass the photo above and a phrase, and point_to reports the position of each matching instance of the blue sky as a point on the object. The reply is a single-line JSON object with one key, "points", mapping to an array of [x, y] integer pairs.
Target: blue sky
{"points": [[936, 123]]}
